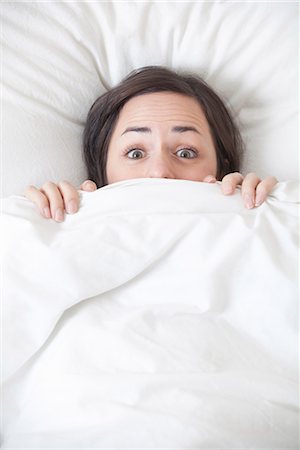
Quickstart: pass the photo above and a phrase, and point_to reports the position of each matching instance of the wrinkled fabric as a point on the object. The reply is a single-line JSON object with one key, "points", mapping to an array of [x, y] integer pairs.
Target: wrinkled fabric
{"points": [[162, 315], [59, 56]]}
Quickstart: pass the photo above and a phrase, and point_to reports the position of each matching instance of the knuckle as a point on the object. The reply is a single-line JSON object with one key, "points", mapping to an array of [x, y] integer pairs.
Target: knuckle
{"points": [[252, 178], [227, 177], [234, 176], [271, 180], [67, 191], [48, 185], [262, 185], [64, 184], [29, 189], [266, 185]]}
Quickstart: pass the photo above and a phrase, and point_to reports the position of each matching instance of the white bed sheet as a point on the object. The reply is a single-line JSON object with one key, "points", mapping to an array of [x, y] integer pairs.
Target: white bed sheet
{"points": [[162, 315], [59, 56]]}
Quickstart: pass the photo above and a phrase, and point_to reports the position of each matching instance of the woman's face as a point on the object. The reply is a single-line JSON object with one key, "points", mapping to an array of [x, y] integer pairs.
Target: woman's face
{"points": [[161, 135]]}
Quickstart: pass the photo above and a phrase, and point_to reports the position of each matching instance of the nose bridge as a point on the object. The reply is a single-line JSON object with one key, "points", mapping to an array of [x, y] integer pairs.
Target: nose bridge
{"points": [[160, 165]]}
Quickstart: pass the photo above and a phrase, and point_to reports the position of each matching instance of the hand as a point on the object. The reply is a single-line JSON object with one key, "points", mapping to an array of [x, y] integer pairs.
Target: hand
{"points": [[254, 190], [53, 199]]}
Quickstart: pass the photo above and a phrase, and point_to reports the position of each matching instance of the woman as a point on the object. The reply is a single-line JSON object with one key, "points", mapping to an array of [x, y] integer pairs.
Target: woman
{"points": [[157, 124]]}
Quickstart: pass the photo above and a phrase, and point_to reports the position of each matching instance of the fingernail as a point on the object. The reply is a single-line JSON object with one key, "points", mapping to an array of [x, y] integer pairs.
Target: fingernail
{"points": [[227, 188], [46, 212], [59, 215], [249, 201], [71, 207]]}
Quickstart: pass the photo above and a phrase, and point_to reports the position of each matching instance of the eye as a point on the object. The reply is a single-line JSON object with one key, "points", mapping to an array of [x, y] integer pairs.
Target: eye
{"points": [[187, 153], [135, 153]]}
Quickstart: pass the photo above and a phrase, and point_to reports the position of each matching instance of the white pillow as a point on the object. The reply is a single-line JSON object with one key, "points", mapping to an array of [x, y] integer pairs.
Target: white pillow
{"points": [[59, 57]]}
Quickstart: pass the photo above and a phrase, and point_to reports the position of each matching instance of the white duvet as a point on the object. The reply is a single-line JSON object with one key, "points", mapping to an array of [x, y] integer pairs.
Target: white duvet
{"points": [[163, 315]]}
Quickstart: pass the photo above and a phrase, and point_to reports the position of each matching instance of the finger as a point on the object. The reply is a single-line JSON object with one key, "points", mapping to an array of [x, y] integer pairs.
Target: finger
{"points": [[263, 189], [209, 179], [39, 199], [230, 182], [55, 200], [249, 185], [88, 186], [70, 196]]}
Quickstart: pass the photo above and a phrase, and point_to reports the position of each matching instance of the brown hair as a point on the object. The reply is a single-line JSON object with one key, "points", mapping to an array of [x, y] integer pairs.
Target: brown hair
{"points": [[104, 113]]}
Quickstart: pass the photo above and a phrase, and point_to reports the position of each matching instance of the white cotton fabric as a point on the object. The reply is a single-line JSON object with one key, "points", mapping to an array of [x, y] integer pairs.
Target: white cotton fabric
{"points": [[59, 56], [162, 315]]}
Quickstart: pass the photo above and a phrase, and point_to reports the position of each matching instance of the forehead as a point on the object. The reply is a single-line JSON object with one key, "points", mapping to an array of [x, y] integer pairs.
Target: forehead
{"points": [[163, 108]]}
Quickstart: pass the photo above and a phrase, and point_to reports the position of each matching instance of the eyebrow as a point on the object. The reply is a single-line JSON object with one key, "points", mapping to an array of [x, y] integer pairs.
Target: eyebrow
{"points": [[183, 129], [177, 129], [137, 130]]}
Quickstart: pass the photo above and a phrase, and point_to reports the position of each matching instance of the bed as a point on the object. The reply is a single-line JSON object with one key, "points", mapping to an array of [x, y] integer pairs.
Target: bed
{"points": [[163, 315]]}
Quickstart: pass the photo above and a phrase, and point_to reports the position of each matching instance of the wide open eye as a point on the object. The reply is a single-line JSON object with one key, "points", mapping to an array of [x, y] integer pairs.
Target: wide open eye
{"points": [[135, 153], [187, 153]]}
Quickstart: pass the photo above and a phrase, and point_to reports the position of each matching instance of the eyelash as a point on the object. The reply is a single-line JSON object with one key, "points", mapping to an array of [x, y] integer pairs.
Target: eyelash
{"points": [[130, 149], [194, 150], [188, 147]]}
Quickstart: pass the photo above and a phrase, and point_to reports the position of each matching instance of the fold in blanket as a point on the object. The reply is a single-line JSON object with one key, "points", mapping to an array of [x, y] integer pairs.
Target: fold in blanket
{"points": [[162, 314]]}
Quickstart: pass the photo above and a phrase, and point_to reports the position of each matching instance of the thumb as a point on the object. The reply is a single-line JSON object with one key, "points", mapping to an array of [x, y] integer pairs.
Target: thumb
{"points": [[209, 179], [88, 186]]}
